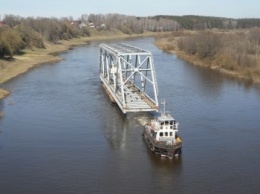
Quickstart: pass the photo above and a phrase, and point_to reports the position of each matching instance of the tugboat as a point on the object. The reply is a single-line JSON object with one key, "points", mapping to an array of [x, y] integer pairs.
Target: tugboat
{"points": [[161, 135]]}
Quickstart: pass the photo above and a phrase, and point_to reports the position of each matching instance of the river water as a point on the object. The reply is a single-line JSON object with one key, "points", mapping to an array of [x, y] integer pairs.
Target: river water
{"points": [[60, 133]]}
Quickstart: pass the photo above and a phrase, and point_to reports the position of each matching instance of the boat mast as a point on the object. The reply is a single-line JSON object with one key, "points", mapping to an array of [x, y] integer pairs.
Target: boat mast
{"points": [[163, 103]]}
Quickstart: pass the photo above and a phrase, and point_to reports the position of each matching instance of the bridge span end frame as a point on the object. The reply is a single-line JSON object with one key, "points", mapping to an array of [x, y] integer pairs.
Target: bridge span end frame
{"points": [[128, 77]]}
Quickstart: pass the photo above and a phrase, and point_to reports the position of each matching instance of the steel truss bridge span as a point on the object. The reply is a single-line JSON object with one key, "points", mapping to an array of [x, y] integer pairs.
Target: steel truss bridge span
{"points": [[128, 77]]}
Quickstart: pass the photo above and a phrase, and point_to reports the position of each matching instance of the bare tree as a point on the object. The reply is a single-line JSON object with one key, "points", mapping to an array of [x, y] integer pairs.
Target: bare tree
{"points": [[254, 37]]}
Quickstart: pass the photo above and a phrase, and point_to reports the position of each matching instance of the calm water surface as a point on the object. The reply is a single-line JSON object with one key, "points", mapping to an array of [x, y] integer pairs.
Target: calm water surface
{"points": [[60, 133]]}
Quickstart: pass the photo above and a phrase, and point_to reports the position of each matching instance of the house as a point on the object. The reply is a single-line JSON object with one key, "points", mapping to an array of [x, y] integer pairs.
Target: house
{"points": [[103, 26], [2, 24], [82, 25], [91, 25]]}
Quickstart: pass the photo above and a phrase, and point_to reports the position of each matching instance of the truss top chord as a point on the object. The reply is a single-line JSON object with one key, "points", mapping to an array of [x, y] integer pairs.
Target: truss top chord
{"points": [[124, 49]]}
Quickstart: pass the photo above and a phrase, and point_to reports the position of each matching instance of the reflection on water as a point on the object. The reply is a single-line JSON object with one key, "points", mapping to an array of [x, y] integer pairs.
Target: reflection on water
{"points": [[114, 129], [116, 125]]}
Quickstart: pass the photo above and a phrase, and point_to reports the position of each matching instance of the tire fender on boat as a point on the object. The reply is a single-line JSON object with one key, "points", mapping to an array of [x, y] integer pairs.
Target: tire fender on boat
{"points": [[178, 139], [152, 147]]}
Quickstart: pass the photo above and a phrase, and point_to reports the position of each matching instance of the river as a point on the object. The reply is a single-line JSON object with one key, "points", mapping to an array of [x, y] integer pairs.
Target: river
{"points": [[60, 133]]}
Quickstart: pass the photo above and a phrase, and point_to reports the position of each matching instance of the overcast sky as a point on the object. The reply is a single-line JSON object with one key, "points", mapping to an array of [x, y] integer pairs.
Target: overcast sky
{"points": [[75, 8]]}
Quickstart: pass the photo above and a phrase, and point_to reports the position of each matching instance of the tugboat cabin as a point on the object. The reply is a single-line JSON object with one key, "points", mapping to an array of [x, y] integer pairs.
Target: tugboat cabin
{"points": [[164, 129]]}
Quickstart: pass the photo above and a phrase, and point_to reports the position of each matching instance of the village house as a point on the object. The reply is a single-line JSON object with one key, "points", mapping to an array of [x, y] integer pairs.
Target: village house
{"points": [[2, 24]]}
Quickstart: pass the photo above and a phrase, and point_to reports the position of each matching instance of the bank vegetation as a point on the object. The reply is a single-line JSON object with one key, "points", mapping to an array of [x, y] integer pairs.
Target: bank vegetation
{"points": [[235, 52]]}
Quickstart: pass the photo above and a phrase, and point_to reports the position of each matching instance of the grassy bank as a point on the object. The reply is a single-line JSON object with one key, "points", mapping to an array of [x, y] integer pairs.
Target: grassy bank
{"points": [[228, 52], [20, 64]]}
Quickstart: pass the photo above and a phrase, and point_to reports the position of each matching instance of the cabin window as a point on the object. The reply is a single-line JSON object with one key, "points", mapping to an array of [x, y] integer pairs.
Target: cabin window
{"points": [[166, 134], [161, 134], [166, 122], [171, 122], [161, 124], [171, 127], [170, 133]]}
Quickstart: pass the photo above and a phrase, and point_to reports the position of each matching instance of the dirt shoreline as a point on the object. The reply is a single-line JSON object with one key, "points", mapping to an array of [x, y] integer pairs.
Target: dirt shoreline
{"points": [[33, 58]]}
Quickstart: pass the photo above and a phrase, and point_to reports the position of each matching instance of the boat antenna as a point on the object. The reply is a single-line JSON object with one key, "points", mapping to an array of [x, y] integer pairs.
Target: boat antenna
{"points": [[163, 103]]}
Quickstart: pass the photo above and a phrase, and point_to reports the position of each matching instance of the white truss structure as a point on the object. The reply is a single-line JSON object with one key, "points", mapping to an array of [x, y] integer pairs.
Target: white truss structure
{"points": [[129, 78]]}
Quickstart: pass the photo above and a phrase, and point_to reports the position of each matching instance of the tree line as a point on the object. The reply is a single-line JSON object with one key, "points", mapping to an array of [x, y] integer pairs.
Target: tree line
{"points": [[132, 24], [18, 33], [192, 22]]}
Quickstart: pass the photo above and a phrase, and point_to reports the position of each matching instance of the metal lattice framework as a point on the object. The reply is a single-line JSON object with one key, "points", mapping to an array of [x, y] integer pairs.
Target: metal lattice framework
{"points": [[128, 76]]}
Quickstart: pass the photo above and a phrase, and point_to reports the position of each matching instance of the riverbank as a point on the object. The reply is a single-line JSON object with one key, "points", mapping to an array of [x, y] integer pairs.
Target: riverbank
{"points": [[223, 62], [3, 93], [32, 58]]}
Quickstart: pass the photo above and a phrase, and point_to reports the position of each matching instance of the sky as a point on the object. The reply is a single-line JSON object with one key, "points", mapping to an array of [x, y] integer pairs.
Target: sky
{"points": [[75, 8]]}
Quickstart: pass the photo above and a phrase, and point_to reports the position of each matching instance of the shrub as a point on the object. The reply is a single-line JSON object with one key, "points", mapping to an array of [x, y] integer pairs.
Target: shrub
{"points": [[10, 42]]}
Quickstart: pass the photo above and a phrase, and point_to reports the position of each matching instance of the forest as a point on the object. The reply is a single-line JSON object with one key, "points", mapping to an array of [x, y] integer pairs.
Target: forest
{"points": [[192, 22], [232, 44]]}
